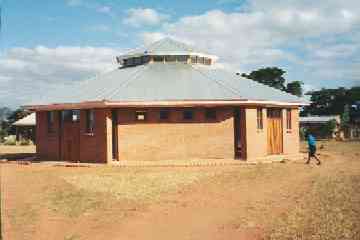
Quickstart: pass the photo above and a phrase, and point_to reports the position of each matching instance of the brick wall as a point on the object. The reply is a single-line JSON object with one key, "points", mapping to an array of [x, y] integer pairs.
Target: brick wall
{"points": [[47, 143], [291, 137], [175, 138], [94, 147], [256, 139]]}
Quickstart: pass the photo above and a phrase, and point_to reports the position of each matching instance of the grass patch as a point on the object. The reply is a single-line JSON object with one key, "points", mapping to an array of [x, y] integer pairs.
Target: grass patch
{"points": [[73, 202], [140, 185], [330, 211]]}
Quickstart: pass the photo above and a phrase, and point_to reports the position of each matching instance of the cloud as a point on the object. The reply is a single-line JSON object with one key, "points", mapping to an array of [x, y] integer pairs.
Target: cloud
{"points": [[307, 38], [138, 17], [27, 73]]}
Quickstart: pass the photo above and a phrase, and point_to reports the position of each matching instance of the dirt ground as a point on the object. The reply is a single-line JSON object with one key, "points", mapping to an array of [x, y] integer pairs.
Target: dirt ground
{"points": [[288, 200]]}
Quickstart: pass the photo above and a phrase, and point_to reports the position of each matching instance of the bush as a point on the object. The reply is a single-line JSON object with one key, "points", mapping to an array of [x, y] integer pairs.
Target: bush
{"points": [[25, 142], [10, 140], [2, 135], [328, 129]]}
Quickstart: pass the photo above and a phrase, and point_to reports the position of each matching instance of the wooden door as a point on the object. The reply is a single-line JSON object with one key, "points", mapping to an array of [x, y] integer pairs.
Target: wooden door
{"points": [[70, 138], [274, 131], [239, 134]]}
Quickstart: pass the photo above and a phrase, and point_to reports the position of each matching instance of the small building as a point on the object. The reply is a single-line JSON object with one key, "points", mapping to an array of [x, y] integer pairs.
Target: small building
{"points": [[166, 101], [26, 128], [315, 124]]}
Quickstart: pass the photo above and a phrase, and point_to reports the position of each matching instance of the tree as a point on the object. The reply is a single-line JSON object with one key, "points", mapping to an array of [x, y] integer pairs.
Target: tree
{"points": [[274, 77], [295, 88], [271, 76], [333, 101], [345, 117], [4, 113], [13, 117], [328, 128]]}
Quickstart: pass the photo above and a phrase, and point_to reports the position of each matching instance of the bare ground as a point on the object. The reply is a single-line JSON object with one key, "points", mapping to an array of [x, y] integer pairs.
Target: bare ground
{"points": [[264, 201]]}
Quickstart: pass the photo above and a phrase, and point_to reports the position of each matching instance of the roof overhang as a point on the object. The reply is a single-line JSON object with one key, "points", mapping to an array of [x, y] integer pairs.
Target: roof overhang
{"points": [[169, 103]]}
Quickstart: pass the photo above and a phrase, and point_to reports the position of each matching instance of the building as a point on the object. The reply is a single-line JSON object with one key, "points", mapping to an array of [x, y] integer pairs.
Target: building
{"points": [[26, 128], [166, 101], [316, 124]]}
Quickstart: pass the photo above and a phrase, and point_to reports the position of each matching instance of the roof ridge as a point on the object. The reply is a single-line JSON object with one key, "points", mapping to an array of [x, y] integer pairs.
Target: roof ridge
{"points": [[229, 88], [125, 83], [89, 81]]}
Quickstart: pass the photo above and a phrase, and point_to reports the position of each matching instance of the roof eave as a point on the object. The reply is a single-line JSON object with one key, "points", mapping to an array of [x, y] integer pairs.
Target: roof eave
{"points": [[168, 103]]}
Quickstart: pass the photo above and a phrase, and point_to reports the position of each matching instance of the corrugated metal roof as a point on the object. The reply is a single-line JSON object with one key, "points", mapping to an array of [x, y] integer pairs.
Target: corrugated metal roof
{"points": [[166, 82], [319, 119], [29, 120], [162, 46]]}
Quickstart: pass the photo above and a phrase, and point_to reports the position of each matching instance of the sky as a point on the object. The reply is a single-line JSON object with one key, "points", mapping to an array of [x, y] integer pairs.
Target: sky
{"points": [[47, 44]]}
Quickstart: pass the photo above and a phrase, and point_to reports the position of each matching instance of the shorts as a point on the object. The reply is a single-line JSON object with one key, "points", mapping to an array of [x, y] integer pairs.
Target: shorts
{"points": [[312, 150]]}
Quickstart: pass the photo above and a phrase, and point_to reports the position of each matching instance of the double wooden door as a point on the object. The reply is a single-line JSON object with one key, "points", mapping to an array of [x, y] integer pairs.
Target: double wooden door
{"points": [[274, 131]]}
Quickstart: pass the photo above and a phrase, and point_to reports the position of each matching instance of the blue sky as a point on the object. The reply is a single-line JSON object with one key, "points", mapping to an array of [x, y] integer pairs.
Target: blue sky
{"points": [[46, 44]]}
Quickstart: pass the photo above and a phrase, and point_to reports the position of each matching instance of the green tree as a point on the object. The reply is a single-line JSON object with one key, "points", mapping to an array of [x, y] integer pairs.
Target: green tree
{"points": [[274, 77], [333, 101], [295, 88], [328, 128], [345, 117], [271, 76], [13, 117]]}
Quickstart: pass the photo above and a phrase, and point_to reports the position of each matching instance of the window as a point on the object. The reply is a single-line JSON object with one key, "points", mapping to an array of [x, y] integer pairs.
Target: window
{"points": [[145, 59], [90, 121], [210, 114], [207, 61], [260, 122], [170, 58], [137, 61], [75, 115], [288, 119], [181, 58], [130, 61], [201, 60], [140, 116], [66, 115], [164, 114], [158, 58], [193, 59], [50, 121], [188, 115]]}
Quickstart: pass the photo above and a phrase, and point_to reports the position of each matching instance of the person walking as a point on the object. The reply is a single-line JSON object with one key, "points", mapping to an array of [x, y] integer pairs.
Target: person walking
{"points": [[312, 148]]}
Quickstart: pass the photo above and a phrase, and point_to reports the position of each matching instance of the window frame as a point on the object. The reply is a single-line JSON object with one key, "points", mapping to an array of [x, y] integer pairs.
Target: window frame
{"points": [[288, 119], [90, 121], [158, 57], [50, 121], [207, 61], [194, 59], [167, 114], [182, 58], [139, 113], [186, 116], [76, 113], [260, 118], [211, 114], [170, 58]]}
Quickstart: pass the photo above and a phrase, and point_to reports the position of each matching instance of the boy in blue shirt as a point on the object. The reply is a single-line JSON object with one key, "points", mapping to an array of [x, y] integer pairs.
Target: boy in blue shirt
{"points": [[312, 148]]}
